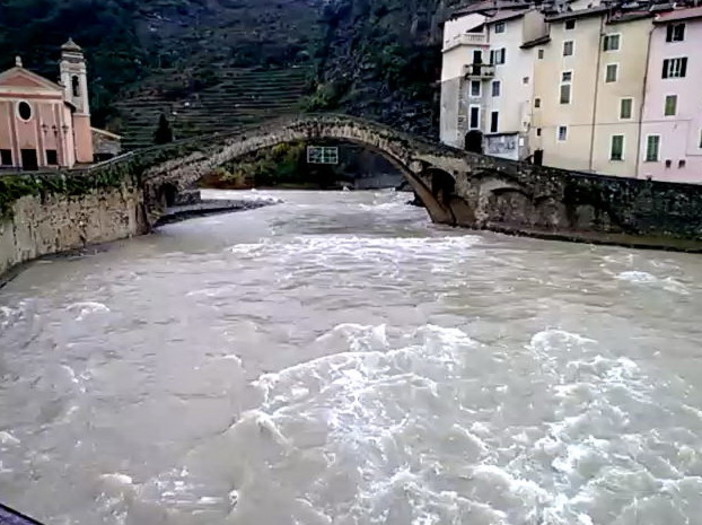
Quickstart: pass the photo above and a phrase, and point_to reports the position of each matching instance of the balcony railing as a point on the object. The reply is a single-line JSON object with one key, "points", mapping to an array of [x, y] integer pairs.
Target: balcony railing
{"points": [[479, 71], [465, 39]]}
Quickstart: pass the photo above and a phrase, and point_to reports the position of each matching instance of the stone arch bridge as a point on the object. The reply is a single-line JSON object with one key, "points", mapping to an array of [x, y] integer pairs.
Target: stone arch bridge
{"points": [[461, 188]]}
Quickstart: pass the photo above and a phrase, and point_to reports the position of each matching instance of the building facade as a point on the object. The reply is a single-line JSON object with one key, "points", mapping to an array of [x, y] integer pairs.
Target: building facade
{"points": [[44, 124], [671, 132], [509, 93], [487, 81], [465, 50]]}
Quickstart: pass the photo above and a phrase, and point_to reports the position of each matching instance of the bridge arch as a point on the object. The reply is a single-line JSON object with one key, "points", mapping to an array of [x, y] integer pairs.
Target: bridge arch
{"points": [[425, 165]]}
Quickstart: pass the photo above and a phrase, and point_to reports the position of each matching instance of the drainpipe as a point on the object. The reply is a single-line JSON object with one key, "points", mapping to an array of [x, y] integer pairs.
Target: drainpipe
{"points": [[643, 102], [597, 86]]}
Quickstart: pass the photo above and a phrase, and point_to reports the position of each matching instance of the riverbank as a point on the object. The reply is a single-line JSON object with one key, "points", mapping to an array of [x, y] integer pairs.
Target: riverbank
{"points": [[211, 207], [55, 226]]}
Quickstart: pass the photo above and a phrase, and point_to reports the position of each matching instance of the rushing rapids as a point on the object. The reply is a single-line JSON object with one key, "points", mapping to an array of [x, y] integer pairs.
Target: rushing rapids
{"points": [[338, 359]]}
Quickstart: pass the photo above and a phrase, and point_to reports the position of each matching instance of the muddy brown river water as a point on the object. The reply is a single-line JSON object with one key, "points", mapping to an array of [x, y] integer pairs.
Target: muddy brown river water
{"points": [[338, 359]]}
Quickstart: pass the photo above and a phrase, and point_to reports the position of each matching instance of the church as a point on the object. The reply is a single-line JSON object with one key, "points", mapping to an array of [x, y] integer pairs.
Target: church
{"points": [[47, 125]]}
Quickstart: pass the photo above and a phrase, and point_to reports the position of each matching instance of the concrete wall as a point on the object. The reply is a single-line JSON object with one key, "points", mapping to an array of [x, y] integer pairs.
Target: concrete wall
{"points": [[56, 223], [680, 134]]}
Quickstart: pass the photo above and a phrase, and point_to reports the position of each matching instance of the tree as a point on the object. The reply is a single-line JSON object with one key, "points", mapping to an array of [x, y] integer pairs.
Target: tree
{"points": [[163, 133]]}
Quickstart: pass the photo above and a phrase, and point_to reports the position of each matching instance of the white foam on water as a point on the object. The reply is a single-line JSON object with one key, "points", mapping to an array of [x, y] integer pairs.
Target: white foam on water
{"points": [[668, 283], [8, 439], [416, 430], [87, 308]]}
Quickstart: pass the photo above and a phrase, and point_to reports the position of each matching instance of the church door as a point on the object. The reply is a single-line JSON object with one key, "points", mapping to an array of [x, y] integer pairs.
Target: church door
{"points": [[29, 159]]}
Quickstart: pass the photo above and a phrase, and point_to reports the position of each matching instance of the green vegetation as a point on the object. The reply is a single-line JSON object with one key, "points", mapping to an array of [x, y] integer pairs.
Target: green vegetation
{"points": [[284, 165], [374, 58], [163, 133]]}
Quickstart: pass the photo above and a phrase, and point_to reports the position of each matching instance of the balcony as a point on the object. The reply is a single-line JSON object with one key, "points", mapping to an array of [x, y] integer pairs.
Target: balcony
{"points": [[465, 39], [479, 71]]}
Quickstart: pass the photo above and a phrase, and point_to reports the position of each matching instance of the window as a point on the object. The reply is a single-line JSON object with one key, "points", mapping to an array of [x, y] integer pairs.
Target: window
{"points": [[653, 147], [475, 88], [700, 145], [540, 54], [75, 85], [611, 72], [24, 110], [477, 56], [494, 120], [626, 108], [52, 157], [496, 88], [498, 56], [322, 155], [668, 163], [5, 157], [474, 117], [500, 27], [569, 25], [568, 48], [538, 133], [674, 67], [525, 80], [567, 76], [562, 133], [565, 94], [675, 33], [681, 163], [537, 102], [671, 105], [611, 42], [616, 151]]}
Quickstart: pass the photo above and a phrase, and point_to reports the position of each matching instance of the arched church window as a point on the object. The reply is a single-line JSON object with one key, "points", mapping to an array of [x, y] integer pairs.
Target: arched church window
{"points": [[75, 84], [24, 110]]}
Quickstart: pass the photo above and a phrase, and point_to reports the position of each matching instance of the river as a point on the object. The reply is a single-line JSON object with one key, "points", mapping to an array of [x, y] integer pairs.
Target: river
{"points": [[338, 359]]}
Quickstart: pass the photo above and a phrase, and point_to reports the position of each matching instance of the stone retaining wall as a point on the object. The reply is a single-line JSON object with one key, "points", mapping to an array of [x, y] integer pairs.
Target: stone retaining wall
{"points": [[56, 223]]}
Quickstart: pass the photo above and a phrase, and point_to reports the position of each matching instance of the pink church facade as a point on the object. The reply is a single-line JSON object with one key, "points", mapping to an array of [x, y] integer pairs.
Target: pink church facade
{"points": [[44, 124], [671, 127]]}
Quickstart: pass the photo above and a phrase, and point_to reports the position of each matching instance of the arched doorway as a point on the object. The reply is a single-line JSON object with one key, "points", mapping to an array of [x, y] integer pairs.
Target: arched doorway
{"points": [[474, 141]]}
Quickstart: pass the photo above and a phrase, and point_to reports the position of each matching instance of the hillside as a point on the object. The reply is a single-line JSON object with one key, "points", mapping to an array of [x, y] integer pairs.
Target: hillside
{"points": [[219, 62]]}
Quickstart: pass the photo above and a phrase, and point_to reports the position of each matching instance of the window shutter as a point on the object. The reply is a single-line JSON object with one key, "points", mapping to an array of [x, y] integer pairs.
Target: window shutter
{"points": [[669, 33], [664, 73], [683, 66]]}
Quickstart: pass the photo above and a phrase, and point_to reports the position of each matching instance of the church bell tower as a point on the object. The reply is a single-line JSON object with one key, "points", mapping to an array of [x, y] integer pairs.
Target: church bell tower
{"points": [[74, 79]]}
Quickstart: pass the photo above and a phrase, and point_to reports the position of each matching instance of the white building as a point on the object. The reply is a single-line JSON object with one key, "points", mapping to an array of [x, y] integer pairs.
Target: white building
{"points": [[465, 48], [487, 81], [512, 36]]}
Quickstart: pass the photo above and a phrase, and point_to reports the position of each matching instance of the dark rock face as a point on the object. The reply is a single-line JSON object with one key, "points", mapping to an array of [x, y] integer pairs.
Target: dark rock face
{"points": [[377, 59], [382, 60]]}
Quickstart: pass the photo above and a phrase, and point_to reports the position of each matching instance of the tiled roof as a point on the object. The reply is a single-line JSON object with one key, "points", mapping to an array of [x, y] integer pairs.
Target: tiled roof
{"points": [[579, 13], [502, 16], [679, 14], [536, 42]]}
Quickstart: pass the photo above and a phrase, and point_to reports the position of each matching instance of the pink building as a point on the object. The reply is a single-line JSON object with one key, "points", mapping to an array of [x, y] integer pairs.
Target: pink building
{"points": [[671, 128], [42, 123]]}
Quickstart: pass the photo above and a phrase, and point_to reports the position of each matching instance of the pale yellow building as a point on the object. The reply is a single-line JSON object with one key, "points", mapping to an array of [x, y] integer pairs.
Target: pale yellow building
{"points": [[589, 84]]}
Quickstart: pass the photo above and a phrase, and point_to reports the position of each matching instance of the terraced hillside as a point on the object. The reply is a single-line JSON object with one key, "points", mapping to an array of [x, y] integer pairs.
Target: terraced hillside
{"points": [[238, 96]]}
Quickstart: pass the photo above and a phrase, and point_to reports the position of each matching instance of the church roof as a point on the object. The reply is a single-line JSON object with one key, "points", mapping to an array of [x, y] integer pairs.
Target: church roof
{"points": [[71, 46], [31, 79]]}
